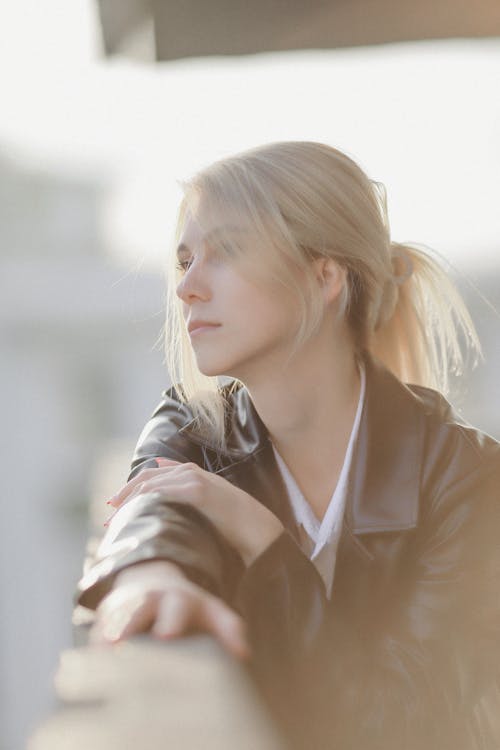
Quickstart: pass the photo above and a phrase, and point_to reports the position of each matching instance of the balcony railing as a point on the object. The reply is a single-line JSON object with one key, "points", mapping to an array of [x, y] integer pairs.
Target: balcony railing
{"points": [[144, 694]]}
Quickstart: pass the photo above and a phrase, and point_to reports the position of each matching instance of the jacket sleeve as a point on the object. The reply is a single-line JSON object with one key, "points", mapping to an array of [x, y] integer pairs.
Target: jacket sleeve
{"points": [[282, 597], [149, 527]]}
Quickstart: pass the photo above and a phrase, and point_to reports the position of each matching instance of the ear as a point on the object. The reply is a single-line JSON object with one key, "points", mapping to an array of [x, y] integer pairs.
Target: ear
{"points": [[331, 278]]}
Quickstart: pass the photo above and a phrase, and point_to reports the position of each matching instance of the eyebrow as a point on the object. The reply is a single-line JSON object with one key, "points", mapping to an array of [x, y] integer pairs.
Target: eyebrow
{"points": [[183, 249]]}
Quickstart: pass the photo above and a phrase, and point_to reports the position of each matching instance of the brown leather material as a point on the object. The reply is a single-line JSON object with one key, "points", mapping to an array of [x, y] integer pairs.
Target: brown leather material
{"points": [[384, 485]]}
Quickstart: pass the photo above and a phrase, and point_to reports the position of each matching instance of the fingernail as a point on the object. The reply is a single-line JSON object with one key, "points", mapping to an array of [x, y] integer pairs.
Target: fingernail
{"points": [[106, 523], [112, 635], [109, 502]]}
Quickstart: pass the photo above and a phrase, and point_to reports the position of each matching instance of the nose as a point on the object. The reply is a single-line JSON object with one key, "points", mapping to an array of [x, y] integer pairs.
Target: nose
{"points": [[193, 285]]}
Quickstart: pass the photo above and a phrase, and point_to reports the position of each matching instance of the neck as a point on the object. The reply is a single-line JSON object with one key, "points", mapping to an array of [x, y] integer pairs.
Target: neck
{"points": [[311, 403]]}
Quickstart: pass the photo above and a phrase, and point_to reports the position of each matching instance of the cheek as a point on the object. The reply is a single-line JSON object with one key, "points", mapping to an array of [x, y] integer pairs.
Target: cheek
{"points": [[256, 308], [279, 309]]}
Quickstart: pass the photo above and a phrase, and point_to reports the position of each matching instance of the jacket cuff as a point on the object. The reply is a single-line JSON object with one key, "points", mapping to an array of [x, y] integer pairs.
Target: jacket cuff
{"points": [[284, 585], [150, 528]]}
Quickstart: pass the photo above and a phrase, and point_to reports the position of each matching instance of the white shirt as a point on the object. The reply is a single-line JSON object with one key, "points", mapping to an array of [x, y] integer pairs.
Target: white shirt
{"points": [[319, 539]]}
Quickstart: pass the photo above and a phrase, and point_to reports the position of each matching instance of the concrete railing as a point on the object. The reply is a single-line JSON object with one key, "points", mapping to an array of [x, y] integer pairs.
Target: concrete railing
{"points": [[144, 694]]}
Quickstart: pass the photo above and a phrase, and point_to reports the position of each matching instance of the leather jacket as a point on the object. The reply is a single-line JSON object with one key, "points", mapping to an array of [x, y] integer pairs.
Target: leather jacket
{"points": [[406, 653]]}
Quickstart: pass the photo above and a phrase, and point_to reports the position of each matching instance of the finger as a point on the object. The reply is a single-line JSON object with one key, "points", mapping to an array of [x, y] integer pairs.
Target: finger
{"points": [[228, 627], [120, 622], [175, 615], [173, 488], [180, 614], [125, 492]]}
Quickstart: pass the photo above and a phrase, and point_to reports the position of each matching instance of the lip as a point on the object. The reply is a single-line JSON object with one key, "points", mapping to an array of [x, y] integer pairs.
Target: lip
{"points": [[199, 326]]}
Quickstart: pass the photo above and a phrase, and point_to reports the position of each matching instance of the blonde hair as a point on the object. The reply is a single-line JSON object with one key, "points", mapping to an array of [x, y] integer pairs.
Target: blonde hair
{"points": [[303, 200]]}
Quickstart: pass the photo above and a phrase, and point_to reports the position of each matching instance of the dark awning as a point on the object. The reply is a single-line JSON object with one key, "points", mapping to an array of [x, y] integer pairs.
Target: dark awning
{"points": [[168, 29]]}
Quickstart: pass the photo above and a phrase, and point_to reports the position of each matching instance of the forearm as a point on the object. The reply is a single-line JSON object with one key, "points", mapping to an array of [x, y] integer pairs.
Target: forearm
{"points": [[154, 568]]}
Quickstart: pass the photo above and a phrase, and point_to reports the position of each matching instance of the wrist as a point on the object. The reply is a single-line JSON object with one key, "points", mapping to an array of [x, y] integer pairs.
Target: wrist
{"points": [[267, 534], [150, 568]]}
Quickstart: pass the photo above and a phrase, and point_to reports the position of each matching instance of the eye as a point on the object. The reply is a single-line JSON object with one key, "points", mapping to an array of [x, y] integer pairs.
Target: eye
{"points": [[184, 265]]}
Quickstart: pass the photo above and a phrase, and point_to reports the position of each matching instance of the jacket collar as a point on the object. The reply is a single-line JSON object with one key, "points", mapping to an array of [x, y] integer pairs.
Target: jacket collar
{"points": [[384, 480]]}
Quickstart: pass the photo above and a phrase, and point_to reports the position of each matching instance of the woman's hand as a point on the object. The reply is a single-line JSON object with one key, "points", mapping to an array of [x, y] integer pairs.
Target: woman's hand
{"points": [[245, 523], [155, 596]]}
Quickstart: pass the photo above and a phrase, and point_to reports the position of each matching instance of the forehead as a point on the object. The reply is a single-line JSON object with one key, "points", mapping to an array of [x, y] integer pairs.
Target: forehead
{"points": [[199, 228]]}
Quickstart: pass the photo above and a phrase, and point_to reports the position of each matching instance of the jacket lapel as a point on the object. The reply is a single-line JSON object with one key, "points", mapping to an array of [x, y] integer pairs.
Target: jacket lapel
{"points": [[384, 481], [383, 494]]}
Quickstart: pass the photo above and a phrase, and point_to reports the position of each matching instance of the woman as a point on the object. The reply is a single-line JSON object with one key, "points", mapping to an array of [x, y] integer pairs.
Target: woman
{"points": [[334, 526]]}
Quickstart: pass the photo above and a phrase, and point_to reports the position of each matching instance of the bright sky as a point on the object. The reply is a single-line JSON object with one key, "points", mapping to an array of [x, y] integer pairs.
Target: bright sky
{"points": [[424, 118]]}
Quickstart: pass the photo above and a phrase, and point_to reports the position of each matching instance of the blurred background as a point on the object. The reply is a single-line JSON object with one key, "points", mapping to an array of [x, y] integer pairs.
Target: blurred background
{"points": [[91, 147]]}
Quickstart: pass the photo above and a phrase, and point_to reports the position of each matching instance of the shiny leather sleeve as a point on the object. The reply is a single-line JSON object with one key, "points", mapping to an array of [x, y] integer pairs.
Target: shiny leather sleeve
{"points": [[283, 599], [163, 435], [149, 527]]}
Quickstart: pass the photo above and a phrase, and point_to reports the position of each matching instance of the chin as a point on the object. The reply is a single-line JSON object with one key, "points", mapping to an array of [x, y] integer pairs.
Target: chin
{"points": [[213, 369], [235, 364]]}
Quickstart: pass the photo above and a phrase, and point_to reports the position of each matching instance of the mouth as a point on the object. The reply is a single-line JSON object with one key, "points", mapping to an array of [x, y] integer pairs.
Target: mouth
{"points": [[197, 327]]}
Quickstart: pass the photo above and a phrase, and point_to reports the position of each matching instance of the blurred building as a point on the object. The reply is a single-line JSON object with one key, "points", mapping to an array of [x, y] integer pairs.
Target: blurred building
{"points": [[79, 374]]}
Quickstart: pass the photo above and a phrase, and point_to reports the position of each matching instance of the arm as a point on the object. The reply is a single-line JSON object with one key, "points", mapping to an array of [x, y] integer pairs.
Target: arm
{"points": [[195, 535], [157, 596], [163, 566], [151, 528]]}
